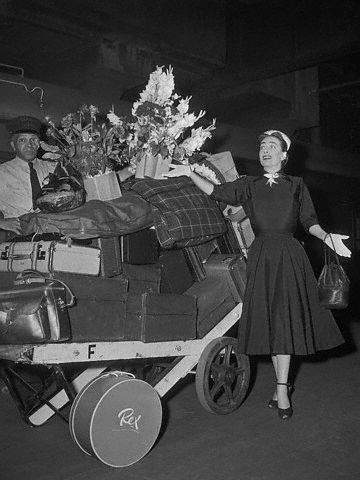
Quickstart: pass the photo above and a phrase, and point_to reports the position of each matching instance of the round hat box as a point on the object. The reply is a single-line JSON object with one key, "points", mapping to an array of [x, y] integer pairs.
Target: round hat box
{"points": [[116, 418]]}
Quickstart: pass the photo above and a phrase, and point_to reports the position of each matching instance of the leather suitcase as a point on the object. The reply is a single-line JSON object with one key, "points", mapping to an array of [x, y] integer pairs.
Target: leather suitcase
{"points": [[195, 263], [161, 317], [239, 228], [244, 234], [110, 256], [132, 328], [176, 276], [230, 269], [99, 313], [204, 250], [143, 278], [49, 257], [34, 313], [214, 301], [229, 242], [140, 248]]}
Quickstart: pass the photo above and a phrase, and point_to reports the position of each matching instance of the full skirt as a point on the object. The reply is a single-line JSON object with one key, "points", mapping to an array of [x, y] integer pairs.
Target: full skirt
{"points": [[281, 311]]}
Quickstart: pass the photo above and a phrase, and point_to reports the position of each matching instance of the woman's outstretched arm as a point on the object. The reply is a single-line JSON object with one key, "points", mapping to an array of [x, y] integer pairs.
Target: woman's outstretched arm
{"points": [[181, 170]]}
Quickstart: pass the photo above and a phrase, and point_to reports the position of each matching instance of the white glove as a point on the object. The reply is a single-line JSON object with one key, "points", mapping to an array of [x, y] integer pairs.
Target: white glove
{"points": [[178, 171], [337, 240]]}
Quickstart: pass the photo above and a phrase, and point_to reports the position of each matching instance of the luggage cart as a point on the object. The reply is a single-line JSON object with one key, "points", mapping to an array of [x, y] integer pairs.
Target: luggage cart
{"points": [[221, 378]]}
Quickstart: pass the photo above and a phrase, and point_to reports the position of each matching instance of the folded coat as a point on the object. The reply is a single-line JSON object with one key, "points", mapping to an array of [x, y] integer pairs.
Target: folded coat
{"points": [[95, 218]]}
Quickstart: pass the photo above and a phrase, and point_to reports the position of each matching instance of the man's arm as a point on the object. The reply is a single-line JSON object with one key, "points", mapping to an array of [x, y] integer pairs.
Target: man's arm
{"points": [[11, 224]]}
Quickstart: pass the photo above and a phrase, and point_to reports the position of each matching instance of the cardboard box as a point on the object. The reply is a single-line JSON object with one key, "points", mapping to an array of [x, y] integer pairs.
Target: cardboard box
{"points": [[102, 187], [224, 162], [152, 167]]}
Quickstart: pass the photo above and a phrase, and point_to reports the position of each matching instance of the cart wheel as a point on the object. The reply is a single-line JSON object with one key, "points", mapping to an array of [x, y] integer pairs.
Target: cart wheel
{"points": [[222, 376]]}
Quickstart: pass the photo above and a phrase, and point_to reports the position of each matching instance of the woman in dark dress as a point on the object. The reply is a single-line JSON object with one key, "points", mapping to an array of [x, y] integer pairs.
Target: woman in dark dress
{"points": [[281, 314]]}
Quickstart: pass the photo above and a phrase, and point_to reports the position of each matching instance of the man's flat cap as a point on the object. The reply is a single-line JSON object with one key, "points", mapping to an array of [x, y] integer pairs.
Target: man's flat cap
{"points": [[24, 124]]}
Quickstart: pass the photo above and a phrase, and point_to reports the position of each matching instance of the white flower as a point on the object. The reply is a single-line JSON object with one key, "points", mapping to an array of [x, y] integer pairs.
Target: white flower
{"points": [[114, 119], [197, 138], [85, 136], [159, 87], [183, 105], [159, 126], [93, 112], [206, 172]]}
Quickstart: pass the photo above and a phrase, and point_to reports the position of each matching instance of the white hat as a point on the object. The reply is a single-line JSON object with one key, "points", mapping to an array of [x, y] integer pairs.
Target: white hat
{"points": [[283, 136]]}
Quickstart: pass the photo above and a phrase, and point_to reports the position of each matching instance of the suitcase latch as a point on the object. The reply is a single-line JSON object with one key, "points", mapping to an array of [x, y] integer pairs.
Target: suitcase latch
{"points": [[41, 255], [5, 254]]}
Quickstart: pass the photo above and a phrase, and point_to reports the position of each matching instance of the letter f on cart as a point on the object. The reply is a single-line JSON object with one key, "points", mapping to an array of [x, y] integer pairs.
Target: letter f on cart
{"points": [[91, 349]]}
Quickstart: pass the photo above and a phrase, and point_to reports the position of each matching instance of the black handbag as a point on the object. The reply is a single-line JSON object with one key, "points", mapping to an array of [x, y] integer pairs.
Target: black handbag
{"points": [[333, 283], [35, 310]]}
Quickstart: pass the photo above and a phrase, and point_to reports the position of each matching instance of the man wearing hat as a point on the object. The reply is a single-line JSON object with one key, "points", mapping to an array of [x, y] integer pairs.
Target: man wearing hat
{"points": [[22, 177]]}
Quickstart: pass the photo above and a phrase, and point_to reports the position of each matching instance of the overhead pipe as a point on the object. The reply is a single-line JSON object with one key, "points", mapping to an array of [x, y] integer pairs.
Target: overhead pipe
{"points": [[14, 67], [336, 86], [41, 103]]}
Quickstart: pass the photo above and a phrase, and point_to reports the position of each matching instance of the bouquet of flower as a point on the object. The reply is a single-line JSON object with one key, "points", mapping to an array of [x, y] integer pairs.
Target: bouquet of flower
{"points": [[162, 122], [91, 147]]}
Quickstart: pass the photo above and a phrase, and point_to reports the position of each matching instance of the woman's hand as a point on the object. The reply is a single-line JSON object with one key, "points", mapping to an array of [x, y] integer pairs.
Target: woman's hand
{"points": [[11, 224], [337, 243], [178, 171]]}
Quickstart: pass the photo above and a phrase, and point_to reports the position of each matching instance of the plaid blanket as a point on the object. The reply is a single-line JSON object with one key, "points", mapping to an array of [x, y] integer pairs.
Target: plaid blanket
{"points": [[183, 214]]}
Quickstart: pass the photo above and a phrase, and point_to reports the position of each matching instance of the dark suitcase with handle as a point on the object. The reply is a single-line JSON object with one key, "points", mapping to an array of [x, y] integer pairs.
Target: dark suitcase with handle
{"points": [[142, 278], [214, 301], [110, 256], [230, 269], [176, 276], [160, 317], [140, 248]]}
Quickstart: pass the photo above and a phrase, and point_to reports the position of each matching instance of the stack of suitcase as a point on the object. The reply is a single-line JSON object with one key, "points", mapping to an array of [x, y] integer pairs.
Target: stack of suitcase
{"points": [[128, 288]]}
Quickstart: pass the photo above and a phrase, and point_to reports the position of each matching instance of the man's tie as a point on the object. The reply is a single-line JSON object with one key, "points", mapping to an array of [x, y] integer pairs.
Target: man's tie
{"points": [[35, 184]]}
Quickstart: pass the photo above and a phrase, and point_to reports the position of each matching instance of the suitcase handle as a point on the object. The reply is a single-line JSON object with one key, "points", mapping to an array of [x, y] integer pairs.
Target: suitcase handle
{"points": [[11, 257], [20, 256], [27, 277]]}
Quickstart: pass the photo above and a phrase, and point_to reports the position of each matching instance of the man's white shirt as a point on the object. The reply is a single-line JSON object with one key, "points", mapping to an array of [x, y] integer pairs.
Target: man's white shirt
{"points": [[15, 185]]}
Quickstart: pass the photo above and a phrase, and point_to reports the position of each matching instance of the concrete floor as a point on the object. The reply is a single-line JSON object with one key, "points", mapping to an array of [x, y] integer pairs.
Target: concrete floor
{"points": [[321, 442]]}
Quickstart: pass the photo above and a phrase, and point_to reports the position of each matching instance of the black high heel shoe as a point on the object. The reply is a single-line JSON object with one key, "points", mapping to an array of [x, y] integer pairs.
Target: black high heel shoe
{"points": [[285, 413], [273, 404]]}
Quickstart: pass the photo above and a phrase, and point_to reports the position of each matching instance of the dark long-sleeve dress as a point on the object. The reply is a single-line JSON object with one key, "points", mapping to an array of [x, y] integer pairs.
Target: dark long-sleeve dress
{"points": [[281, 311]]}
